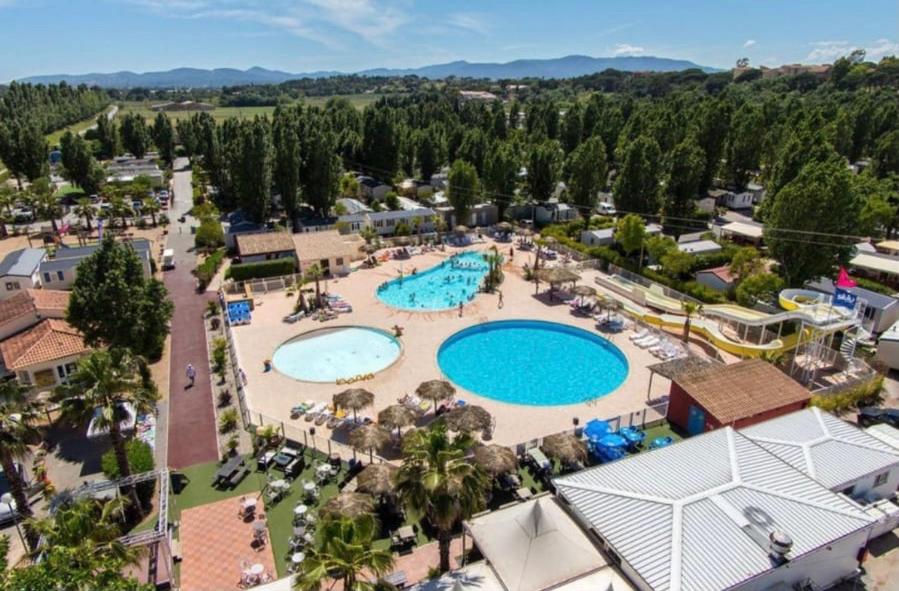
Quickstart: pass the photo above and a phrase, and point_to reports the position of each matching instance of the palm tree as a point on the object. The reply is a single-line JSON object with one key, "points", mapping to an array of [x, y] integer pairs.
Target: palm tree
{"points": [[151, 206], [689, 309], [439, 224], [89, 531], [494, 262], [46, 207], [437, 480], [315, 273], [108, 380], [18, 416], [119, 208], [344, 551], [85, 209]]}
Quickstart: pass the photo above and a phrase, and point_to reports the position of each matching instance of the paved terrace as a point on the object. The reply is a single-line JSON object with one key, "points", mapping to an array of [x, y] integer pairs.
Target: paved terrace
{"points": [[273, 394]]}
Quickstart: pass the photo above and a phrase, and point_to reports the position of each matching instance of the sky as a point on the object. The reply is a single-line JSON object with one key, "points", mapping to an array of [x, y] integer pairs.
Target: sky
{"points": [[82, 36]]}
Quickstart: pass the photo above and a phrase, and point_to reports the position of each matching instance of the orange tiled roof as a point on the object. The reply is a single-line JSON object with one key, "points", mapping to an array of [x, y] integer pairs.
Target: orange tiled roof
{"points": [[30, 300], [48, 340]]}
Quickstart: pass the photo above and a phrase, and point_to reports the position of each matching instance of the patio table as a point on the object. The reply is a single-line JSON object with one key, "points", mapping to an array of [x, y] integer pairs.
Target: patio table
{"points": [[228, 469], [300, 510], [249, 503], [257, 569], [523, 493], [282, 459], [309, 487], [280, 483], [397, 579], [259, 527]]}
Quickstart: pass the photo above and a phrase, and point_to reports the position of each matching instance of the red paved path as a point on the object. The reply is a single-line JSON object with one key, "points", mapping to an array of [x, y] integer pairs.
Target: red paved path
{"points": [[192, 429]]}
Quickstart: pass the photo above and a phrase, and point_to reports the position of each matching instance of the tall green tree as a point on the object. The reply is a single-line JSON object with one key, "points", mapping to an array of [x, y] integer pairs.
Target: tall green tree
{"points": [[543, 169], [808, 218], [380, 145], [572, 128], [345, 552], [287, 159], [45, 202], [320, 173], [426, 156], [107, 137], [77, 161], [630, 233], [112, 303], [744, 143], [250, 167], [886, 155], [464, 189], [164, 138], [23, 149], [637, 183], [474, 149], [587, 174], [135, 135], [18, 430], [437, 480], [104, 384], [501, 174], [685, 169]]}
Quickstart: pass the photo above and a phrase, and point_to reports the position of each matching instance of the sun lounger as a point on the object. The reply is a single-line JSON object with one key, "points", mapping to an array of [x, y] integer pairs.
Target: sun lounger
{"points": [[291, 318], [640, 334], [323, 417], [647, 342], [313, 412]]}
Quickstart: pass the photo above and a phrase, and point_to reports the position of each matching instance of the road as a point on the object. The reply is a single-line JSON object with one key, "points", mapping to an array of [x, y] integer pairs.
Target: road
{"points": [[192, 436], [109, 115]]}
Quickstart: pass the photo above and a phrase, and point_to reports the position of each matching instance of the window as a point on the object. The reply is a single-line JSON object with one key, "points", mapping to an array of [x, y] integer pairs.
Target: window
{"points": [[47, 277], [339, 261], [848, 491], [881, 478], [61, 275], [24, 378], [12, 285]]}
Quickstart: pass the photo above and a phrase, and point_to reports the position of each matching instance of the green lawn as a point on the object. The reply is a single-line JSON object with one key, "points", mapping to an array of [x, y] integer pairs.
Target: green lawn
{"points": [[69, 190], [54, 138]]}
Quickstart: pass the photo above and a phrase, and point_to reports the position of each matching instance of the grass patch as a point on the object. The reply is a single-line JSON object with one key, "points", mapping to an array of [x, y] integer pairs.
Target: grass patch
{"points": [[54, 138], [70, 189]]}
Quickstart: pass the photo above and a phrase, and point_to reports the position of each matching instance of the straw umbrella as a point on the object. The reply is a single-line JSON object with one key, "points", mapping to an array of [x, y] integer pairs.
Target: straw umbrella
{"points": [[377, 479], [504, 227], [555, 276], [565, 447], [496, 459], [354, 398], [435, 391], [468, 418], [396, 416], [583, 291], [461, 230], [369, 437], [348, 504]]}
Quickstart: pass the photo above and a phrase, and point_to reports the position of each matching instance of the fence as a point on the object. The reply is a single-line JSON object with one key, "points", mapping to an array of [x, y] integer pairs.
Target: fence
{"points": [[648, 416], [268, 284], [631, 276], [309, 438]]}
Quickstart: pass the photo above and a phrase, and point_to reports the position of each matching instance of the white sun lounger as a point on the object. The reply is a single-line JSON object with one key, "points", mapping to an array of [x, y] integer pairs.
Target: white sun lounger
{"points": [[645, 344], [642, 333], [313, 412]]}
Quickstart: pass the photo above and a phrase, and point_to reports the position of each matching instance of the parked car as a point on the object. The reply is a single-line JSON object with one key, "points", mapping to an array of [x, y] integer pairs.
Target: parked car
{"points": [[23, 215], [874, 416], [606, 209], [7, 512]]}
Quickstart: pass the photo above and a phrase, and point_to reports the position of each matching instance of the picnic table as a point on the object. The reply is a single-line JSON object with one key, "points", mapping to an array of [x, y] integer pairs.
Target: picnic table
{"points": [[281, 459], [397, 579], [539, 458], [228, 469]]}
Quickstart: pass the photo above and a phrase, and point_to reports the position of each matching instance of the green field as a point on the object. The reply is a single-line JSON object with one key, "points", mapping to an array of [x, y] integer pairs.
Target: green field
{"points": [[221, 113], [53, 138]]}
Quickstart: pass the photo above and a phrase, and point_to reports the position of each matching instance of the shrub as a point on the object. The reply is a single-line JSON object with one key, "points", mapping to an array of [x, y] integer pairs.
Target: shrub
{"points": [[874, 286], [224, 398], [228, 420], [271, 268], [163, 220], [219, 356], [140, 459], [208, 268], [860, 394], [210, 234]]}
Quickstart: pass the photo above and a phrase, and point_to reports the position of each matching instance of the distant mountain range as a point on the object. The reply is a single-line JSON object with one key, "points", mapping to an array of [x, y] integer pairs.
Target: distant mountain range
{"points": [[564, 67]]}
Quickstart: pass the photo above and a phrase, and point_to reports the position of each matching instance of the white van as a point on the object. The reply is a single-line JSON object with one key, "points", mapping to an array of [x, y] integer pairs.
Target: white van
{"points": [[606, 209], [168, 259]]}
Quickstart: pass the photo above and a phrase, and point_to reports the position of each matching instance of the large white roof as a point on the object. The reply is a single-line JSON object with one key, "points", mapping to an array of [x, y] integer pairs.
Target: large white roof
{"points": [[831, 451], [695, 516], [876, 262], [744, 229], [535, 545]]}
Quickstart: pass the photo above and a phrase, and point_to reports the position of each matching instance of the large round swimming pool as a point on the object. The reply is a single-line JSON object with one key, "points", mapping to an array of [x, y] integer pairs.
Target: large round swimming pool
{"points": [[329, 354], [532, 362]]}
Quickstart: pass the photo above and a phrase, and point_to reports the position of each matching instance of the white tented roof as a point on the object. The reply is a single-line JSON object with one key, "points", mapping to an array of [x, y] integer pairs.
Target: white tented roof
{"points": [[743, 229], [831, 451], [876, 262], [885, 433], [695, 516], [535, 545]]}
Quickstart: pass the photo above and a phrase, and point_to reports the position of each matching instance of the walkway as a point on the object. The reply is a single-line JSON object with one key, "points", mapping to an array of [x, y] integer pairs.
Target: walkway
{"points": [[215, 542], [192, 429]]}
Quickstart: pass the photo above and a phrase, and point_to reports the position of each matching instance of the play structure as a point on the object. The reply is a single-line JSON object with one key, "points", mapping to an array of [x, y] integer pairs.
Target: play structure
{"points": [[808, 323]]}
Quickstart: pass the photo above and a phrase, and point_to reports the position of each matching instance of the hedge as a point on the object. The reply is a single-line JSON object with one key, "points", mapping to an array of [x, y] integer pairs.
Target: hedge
{"points": [[140, 459], [206, 270], [864, 393], [271, 268]]}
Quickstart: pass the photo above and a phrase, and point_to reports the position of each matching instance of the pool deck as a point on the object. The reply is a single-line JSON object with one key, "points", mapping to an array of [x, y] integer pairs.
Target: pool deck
{"points": [[273, 394]]}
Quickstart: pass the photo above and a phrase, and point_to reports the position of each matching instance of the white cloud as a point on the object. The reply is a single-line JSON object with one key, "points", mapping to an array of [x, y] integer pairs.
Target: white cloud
{"points": [[627, 49], [469, 22], [828, 51], [749, 43]]}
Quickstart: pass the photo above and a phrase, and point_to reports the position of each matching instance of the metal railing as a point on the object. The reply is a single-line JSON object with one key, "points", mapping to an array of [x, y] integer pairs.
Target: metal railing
{"points": [[309, 438], [645, 282]]}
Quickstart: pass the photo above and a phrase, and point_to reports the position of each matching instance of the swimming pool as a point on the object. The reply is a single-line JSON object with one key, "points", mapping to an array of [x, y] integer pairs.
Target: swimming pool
{"points": [[329, 354], [532, 362], [440, 287]]}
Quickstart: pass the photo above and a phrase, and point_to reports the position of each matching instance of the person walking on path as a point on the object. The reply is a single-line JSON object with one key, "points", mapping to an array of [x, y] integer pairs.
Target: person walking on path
{"points": [[191, 375], [500, 303]]}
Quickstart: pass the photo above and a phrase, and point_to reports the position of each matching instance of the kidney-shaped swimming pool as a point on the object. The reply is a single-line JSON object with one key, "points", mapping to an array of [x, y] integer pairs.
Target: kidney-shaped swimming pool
{"points": [[329, 354], [532, 362]]}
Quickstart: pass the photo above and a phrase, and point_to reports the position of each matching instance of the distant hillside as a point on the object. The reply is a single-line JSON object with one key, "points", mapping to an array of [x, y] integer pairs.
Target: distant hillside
{"points": [[564, 67]]}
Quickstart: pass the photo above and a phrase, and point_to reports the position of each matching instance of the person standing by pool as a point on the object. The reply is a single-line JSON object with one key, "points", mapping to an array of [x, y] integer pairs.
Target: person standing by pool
{"points": [[500, 302], [191, 375], [460, 309]]}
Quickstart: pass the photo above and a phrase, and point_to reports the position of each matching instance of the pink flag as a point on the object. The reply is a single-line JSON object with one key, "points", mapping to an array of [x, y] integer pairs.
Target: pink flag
{"points": [[844, 280]]}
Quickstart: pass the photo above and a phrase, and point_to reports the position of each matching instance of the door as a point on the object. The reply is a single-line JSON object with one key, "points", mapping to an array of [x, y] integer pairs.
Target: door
{"points": [[695, 420]]}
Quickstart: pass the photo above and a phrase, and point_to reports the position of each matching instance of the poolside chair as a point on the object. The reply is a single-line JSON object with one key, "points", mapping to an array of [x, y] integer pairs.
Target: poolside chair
{"points": [[323, 416], [647, 342], [313, 412], [640, 334]]}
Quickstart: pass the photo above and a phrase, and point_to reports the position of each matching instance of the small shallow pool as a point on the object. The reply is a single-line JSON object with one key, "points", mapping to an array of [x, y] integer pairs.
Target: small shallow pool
{"points": [[532, 362], [440, 287], [329, 354]]}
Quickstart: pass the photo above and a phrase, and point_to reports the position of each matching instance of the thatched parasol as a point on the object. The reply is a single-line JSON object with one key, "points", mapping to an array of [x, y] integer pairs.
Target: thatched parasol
{"points": [[526, 232], [377, 479], [461, 230], [354, 399], [348, 504], [368, 437], [504, 227], [583, 290], [557, 275], [396, 416], [550, 240], [368, 248], [436, 390], [496, 459], [565, 447], [468, 418], [402, 241]]}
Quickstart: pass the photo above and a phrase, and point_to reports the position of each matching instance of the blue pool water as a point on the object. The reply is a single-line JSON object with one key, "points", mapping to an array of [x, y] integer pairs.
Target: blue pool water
{"points": [[440, 287], [332, 353], [532, 362]]}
